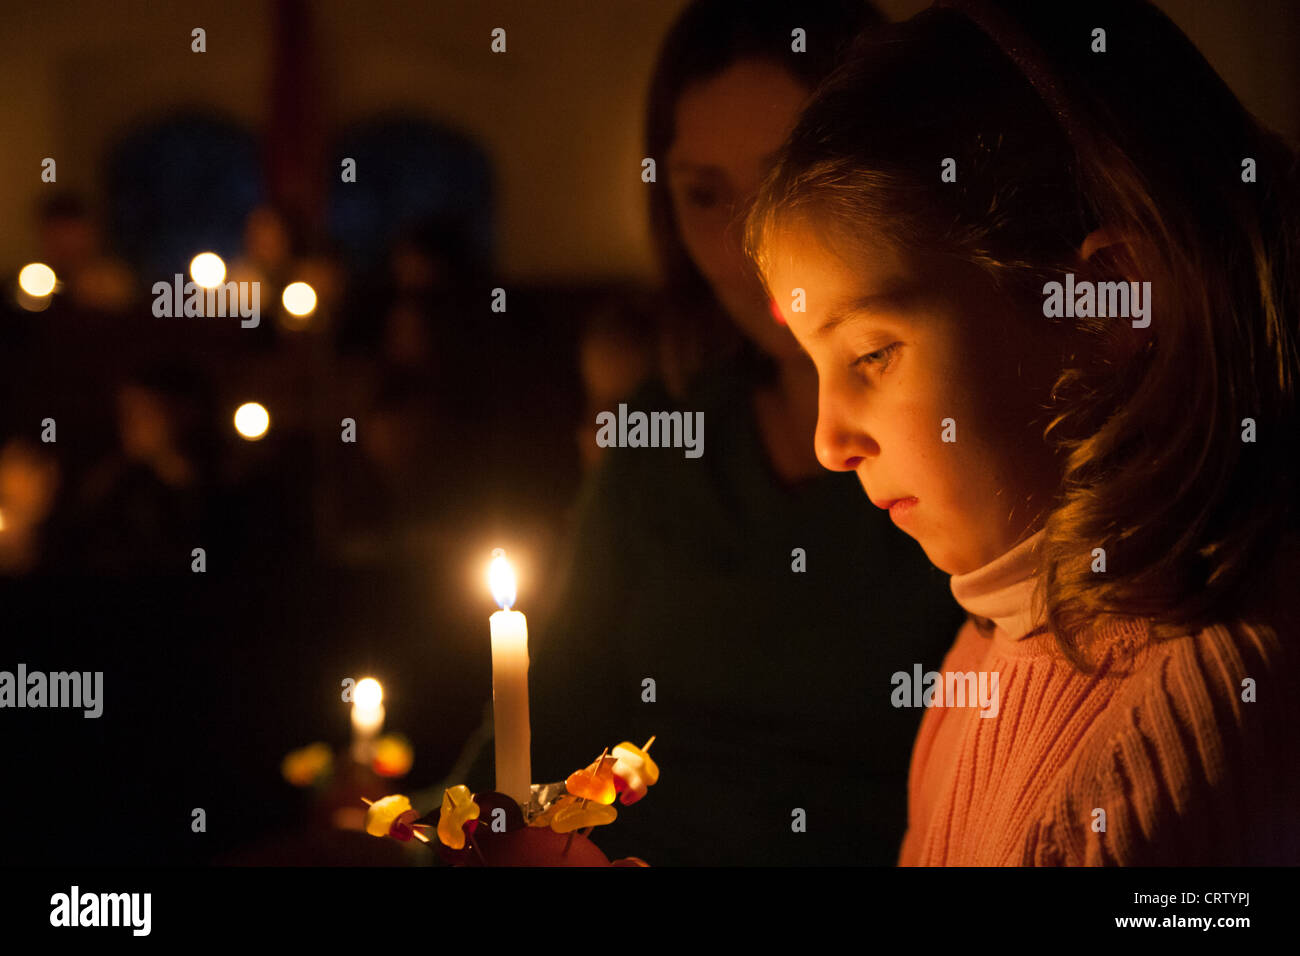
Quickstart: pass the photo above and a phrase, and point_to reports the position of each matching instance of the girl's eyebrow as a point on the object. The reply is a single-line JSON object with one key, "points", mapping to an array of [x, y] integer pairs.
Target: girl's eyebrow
{"points": [[897, 298]]}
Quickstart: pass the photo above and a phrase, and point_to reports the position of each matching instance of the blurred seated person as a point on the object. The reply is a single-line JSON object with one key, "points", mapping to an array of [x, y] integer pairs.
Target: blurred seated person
{"points": [[29, 481], [144, 508], [71, 243]]}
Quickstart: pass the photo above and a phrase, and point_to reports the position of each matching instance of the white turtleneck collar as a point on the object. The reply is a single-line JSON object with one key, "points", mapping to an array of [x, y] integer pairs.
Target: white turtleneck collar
{"points": [[1003, 589]]}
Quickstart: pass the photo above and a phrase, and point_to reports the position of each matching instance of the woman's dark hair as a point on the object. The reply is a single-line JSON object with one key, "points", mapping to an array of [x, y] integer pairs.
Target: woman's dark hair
{"points": [[1147, 142], [705, 40]]}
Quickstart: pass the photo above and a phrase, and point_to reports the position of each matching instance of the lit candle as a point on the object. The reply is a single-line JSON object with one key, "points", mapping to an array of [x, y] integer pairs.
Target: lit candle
{"points": [[367, 717], [510, 685]]}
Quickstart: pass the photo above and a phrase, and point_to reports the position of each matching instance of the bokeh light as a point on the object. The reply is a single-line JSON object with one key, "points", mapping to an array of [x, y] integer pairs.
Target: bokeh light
{"points": [[207, 269], [37, 279], [252, 420], [299, 299]]}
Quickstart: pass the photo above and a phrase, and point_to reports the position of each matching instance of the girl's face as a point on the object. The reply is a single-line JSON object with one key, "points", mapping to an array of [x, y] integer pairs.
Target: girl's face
{"points": [[726, 130], [909, 352]]}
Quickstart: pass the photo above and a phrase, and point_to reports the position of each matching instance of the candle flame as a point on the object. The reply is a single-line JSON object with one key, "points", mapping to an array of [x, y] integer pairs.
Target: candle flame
{"points": [[368, 695], [501, 578]]}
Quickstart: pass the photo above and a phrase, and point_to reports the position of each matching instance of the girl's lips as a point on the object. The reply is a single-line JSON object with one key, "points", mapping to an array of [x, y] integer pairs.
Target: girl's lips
{"points": [[887, 503], [901, 508]]}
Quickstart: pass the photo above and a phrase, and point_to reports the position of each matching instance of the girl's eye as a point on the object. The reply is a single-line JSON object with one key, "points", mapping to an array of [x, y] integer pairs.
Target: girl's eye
{"points": [[878, 359]]}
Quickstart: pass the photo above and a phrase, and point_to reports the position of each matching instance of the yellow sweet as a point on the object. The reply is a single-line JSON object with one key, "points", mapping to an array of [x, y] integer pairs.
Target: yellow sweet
{"points": [[579, 814], [595, 782], [458, 808], [544, 818], [304, 766], [383, 813]]}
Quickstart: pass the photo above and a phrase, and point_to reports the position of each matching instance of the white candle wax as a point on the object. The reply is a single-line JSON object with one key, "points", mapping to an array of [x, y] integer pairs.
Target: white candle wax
{"points": [[510, 705], [366, 721]]}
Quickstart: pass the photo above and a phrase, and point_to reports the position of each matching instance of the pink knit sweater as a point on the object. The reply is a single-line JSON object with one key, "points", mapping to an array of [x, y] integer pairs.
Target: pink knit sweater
{"points": [[1158, 739]]}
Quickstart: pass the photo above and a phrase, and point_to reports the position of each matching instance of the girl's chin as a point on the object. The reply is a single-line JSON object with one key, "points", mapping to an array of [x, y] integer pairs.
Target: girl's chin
{"points": [[941, 556]]}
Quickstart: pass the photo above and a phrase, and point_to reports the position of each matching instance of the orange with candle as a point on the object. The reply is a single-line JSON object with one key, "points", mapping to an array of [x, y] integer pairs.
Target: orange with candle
{"points": [[522, 823]]}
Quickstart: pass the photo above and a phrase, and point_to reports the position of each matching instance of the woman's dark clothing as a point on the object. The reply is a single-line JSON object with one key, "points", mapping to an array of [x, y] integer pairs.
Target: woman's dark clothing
{"points": [[772, 686]]}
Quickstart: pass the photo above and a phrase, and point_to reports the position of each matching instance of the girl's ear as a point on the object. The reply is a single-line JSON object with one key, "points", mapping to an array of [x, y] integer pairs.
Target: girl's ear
{"points": [[1110, 255], [1109, 249], [1098, 239]]}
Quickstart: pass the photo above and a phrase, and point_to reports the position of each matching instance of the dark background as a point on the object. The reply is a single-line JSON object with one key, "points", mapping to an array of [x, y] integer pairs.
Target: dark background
{"points": [[324, 560]]}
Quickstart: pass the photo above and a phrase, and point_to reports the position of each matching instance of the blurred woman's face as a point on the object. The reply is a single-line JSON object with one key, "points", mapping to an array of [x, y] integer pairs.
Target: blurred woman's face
{"points": [[727, 129]]}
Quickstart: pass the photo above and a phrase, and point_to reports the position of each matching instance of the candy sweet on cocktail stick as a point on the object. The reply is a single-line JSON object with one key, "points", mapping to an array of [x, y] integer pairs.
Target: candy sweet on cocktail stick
{"points": [[577, 814], [594, 782], [634, 771], [585, 802], [458, 808], [392, 816]]}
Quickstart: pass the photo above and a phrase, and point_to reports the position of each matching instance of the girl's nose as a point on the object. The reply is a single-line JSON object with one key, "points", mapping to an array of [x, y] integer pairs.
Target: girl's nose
{"points": [[840, 445]]}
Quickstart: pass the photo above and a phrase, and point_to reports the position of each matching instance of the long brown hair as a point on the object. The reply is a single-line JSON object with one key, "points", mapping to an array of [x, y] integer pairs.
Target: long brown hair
{"points": [[1149, 143], [708, 37]]}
